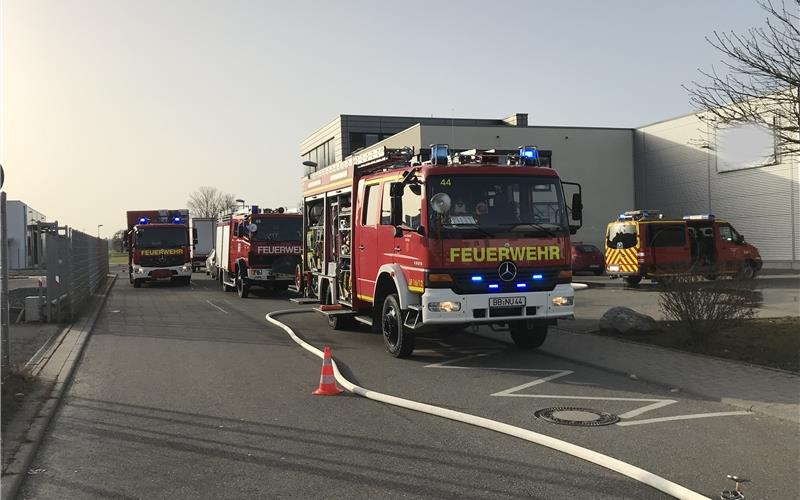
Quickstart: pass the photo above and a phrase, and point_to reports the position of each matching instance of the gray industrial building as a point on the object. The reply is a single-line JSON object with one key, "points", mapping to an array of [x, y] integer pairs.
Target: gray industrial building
{"points": [[25, 245], [675, 165]]}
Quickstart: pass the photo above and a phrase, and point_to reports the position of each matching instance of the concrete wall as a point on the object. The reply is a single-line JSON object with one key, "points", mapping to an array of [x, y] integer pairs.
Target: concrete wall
{"points": [[677, 172]]}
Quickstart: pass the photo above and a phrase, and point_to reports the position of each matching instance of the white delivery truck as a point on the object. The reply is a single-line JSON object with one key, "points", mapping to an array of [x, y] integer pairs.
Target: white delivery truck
{"points": [[203, 233]]}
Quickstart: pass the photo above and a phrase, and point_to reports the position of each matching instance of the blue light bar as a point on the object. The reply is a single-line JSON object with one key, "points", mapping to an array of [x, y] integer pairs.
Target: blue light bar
{"points": [[529, 155], [254, 209], [176, 219], [476, 279], [494, 286], [439, 154], [537, 277], [522, 285], [142, 220]]}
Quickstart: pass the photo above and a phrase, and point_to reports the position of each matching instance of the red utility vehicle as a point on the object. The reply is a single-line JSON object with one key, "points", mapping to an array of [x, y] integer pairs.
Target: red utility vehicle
{"points": [[587, 258], [257, 247], [158, 246], [406, 243], [643, 244]]}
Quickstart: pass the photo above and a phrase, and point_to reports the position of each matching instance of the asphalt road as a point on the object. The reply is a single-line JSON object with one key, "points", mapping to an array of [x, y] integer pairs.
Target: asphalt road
{"points": [[187, 393]]}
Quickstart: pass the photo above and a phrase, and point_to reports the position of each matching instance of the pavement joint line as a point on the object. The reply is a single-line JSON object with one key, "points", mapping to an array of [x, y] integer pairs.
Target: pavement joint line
{"points": [[218, 307], [15, 472], [610, 463]]}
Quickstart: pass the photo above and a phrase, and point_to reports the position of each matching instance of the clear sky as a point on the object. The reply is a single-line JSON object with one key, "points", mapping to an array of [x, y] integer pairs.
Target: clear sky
{"points": [[111, 105]]}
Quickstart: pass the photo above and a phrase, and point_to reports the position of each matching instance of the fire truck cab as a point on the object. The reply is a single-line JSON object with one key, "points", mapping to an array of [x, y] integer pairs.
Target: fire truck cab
{"points": [[257, 247], [407, 245], [158, 246], [643, 244]]}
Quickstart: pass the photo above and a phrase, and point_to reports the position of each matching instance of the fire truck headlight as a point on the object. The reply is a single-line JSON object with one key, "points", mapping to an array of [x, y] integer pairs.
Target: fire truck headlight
{"points": [[186, 268], [563, 301], [446, 306], [139, 270]]}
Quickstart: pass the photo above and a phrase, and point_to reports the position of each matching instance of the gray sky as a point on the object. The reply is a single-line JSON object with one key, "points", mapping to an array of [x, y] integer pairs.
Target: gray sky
{"points": [[111, 105]]}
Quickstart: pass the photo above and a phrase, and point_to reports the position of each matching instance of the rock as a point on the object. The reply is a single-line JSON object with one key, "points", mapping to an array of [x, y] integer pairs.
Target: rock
{"points": [[627, 321]]}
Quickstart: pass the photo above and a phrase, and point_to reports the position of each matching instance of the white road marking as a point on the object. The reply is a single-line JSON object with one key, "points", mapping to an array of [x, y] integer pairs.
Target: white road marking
{"points": [[218, 307], [514, 392], [684, 417]]}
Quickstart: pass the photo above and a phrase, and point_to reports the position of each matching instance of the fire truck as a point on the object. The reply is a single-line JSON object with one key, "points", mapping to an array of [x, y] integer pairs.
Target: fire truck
{"points": [[406, 243], [644, 244], [257, 247], [158, 246], [202, 229]]}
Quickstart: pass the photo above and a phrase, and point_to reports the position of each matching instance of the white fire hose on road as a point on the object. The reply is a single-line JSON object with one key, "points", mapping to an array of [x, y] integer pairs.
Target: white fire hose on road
{"points": [[610, 463]]}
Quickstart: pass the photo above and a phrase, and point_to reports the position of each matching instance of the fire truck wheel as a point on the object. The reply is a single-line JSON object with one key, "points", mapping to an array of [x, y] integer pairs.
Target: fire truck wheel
{"points": [[746, 272], [398, 339], [528, 334], [633, 280], [137, 283], [242, 288], [336, 322]]}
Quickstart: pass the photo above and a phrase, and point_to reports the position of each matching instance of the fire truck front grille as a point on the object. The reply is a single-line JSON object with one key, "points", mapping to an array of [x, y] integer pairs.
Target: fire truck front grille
{"points": [[535, 280], [160, 260]]}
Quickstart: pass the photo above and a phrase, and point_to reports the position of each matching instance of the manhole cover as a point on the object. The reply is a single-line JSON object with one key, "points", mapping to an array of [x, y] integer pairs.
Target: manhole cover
{"points": [[570, 415]]}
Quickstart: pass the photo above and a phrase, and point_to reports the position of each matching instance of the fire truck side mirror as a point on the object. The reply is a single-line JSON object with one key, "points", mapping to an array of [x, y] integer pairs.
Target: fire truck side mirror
{"points": [[577, 207], [236, 231], [396, 196], [194, 235]]}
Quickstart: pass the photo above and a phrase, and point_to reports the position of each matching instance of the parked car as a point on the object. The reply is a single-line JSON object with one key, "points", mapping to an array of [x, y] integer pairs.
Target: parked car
{"points": [[211, 269], [587, 258]]}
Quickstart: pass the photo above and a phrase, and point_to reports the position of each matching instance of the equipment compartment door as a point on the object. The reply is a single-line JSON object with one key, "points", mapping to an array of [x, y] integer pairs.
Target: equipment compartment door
{"points": [[365, 243]]}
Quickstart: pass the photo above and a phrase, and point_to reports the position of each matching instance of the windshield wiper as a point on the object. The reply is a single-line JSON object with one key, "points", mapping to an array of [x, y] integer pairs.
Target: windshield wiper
{"points": [[473, 227], [535, 225]]}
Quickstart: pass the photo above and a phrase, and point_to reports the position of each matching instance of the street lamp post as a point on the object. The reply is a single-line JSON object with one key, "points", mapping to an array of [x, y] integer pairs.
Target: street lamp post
{"points": [[98, 230], [238, 200]]}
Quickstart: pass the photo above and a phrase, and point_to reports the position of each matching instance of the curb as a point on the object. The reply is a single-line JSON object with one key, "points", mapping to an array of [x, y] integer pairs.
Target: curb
{"points": [[17, 468]]}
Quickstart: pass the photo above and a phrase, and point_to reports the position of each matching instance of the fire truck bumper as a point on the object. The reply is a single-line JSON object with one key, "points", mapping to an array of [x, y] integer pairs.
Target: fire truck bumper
{"points": [[165, 273], [443, 306]]}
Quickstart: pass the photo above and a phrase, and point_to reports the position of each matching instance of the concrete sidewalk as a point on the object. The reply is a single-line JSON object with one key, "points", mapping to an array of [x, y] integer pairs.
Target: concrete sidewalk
{"points": [[771, 392]]}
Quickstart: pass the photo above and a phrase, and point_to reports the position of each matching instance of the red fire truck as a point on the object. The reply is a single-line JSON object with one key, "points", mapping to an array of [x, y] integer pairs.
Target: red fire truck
{"points": [[158, 246], [405, 243], [645, 244], [257, 247]]}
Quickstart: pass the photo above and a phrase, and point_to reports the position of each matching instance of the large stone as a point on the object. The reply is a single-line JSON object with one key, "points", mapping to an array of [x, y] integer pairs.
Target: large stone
{"points": [[627, 321]]}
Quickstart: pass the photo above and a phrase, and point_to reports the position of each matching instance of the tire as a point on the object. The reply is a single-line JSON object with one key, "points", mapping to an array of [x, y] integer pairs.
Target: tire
{"points": [[187, 281], [336, 322], [399, 340], [130, 278], [137, 283], [633, 280], [528, 334], [747, 272], [242, 287]]}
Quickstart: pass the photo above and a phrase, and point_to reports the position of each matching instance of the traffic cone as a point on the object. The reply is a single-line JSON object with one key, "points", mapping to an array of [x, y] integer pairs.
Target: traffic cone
{"points": [[327, 383]]}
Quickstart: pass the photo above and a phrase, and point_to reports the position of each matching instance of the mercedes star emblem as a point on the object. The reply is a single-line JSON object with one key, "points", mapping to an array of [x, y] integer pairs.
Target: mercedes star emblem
{"points": [[162, 259], [507, 270]]}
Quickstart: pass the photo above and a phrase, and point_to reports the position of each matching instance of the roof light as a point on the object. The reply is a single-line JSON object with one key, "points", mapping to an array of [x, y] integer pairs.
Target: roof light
{"points": [[529, 155], [476, 279], [176, 219], [439, 154], [254, 209], [522, 285], [494, 286], [537, 277], [699, 217], [143, 220]]}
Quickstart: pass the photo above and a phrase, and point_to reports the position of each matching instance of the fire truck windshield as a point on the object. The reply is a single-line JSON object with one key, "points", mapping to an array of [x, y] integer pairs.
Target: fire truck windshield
{"points": [[161, 237], [277, 229], [621, 235], [516, 205]]}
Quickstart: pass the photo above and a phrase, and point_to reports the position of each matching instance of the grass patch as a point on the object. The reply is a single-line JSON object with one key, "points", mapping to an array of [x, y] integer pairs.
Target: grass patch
{"points": [[772, 342], [117, 258]]}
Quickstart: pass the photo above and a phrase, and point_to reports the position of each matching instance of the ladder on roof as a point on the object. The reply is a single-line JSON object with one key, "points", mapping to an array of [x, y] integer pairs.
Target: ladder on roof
{"points": [[370, 160]]}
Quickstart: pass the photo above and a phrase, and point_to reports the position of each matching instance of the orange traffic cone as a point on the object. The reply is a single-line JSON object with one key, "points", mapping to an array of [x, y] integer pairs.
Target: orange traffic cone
{"points": [[327, 383]]}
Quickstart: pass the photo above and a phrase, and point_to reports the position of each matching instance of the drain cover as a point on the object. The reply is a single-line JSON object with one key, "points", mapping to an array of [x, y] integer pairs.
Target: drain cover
{"points": [[570, 415]]}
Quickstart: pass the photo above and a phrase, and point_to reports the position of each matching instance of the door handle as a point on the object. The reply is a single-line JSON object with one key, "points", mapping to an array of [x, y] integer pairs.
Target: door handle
{"points": [[397, 248], [361, 247]]}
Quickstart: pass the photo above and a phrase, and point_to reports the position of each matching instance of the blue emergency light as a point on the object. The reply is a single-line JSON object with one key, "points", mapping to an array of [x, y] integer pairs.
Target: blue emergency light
{"points": [[439, 154], [529, 155], [537, 277], [143, 220], [522, 285], [177, 219], [494, 286], [254, 209], [476, 279]]}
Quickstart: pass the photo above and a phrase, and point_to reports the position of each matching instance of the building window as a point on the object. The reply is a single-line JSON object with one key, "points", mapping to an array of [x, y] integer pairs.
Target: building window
{"points": [[359, 140], [748, 145], [323, 155]]}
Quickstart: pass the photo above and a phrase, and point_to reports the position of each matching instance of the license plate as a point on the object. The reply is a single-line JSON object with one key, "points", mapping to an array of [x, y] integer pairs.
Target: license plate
{"points": [[613, 268], [506, 301]]}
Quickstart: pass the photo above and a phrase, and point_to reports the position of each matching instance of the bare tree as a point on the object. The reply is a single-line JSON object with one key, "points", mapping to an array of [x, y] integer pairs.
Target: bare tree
{"points": [[209, 201], [761, 81], [117, 239]]}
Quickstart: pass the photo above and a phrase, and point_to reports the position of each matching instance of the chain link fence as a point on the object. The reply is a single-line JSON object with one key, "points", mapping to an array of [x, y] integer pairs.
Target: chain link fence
{"points": [[77, 265]]}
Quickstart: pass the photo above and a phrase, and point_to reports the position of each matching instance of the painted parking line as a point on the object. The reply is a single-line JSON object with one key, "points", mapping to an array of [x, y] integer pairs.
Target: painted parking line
{"points": [[514, 392], [214, 305]]}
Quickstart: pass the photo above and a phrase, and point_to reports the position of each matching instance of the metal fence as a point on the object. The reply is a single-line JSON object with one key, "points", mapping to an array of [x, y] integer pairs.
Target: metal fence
{"points": [[77, 265]]}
